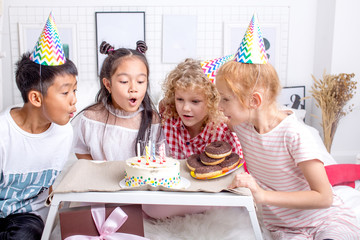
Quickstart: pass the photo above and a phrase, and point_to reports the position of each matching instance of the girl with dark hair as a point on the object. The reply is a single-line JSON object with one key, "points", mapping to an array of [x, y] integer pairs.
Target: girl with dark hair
{"points": [[123, 114]]}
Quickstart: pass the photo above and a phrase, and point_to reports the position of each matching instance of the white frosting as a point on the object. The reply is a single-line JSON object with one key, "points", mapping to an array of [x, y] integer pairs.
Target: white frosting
{"points": [[140, 172]]}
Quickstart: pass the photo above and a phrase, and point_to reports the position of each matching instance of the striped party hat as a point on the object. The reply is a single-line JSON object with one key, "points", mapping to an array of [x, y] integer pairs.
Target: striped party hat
{"points": [[252, 48], [210, 67], [48, 49]]}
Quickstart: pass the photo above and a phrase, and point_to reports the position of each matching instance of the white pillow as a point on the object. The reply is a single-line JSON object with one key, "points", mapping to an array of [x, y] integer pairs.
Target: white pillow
{"points": [[299, 113]]}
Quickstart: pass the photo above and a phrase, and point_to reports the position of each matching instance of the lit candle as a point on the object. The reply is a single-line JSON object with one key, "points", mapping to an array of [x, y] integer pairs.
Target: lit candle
{"points": [[138, 151], [147, 156], [153, 153], [162, 152], [149, 149]]}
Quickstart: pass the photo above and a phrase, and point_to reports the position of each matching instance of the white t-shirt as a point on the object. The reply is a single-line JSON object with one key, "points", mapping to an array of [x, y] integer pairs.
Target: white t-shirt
{"points": [[272, 159], [29, 164], [108, 141]]}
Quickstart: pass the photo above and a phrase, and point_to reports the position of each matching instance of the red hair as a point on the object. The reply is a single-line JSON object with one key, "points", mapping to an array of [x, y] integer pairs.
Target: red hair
{"points": [[244, 78]]}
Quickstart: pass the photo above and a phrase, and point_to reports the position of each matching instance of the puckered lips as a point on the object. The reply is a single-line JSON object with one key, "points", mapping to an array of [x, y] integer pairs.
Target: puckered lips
{"points": [[133, 101], [72, 112]]}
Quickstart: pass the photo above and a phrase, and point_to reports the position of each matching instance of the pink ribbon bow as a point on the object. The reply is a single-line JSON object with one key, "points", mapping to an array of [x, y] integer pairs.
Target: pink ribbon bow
{"points": [[107, 228]]}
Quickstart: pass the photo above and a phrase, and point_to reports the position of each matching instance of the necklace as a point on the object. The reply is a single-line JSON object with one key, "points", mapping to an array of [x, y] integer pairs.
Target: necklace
{"points": [[121, 113]]}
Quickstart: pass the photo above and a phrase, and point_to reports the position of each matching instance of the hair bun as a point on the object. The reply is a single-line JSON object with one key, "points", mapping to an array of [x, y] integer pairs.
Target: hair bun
{"points": [[105, 48], [141, 46]]}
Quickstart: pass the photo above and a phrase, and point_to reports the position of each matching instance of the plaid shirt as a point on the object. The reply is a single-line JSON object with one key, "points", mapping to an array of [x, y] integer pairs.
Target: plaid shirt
{"points": [[181, 145]]}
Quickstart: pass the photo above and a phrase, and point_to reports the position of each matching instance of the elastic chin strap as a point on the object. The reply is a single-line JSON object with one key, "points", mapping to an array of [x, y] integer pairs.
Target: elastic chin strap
{"points": [[41, 89], [256, 81], [257, 78]]}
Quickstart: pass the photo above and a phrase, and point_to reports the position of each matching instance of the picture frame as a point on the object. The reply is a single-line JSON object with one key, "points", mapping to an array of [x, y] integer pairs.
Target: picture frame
{"points": [[29, 34], [234, 33], [120, 29], [179, 38], [293, 97]]}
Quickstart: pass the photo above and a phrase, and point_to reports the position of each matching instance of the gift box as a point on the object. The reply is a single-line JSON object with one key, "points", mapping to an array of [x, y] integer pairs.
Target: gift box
{"points": [[81, 220]]}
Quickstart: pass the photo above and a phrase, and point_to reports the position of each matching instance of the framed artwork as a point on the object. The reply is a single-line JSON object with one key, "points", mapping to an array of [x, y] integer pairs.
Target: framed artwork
{"points": [[30, 33], [293, 97], [179, 37], [234, 33], [120, 29]]}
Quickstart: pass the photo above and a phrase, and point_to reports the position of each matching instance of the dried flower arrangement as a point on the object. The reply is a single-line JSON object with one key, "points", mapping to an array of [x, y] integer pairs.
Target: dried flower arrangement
{"points": [[332, 94]]}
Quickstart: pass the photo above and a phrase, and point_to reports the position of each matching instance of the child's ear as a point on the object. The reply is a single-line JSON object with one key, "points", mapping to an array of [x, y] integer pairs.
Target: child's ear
{"points": [[107, 84], [35, 98], [255, 100]]}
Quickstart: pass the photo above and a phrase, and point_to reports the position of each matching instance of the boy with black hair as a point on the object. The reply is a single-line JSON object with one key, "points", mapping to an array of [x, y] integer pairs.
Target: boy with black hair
{"points": [[36, 138]]}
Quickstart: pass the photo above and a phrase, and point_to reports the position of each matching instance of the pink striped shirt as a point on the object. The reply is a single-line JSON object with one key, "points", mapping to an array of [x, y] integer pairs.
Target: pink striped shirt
{"points": [[272, 160]]}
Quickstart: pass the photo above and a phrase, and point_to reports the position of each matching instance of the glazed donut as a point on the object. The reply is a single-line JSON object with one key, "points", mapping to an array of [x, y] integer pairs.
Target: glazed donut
{"points": [[193, 162], [230, 162], [206, 160], [218, 149], [207, 171]]}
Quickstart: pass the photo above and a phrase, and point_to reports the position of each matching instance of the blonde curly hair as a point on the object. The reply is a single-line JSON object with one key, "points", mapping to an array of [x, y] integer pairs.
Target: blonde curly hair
{"points": [[189, 75]]}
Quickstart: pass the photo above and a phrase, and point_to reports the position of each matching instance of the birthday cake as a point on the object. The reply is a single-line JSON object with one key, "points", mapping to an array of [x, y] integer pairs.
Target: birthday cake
{"points": [[155, 172]]}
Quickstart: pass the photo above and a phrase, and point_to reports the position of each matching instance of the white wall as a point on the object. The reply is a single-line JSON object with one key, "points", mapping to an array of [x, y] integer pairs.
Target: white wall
{"points": [[211, 17], [337, 51], [345, 59], [311, 39], [302, 31], [325, 18]]}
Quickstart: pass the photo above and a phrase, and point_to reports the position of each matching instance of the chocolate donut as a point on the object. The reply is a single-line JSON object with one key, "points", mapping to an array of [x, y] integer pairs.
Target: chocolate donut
{"points": [[207, 171], [193, 162], [230, 162], [206, 160], [218, 149]]}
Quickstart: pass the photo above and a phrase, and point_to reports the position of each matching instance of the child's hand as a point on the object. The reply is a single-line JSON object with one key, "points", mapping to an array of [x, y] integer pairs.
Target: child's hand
{"points": [[246, 180]]}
